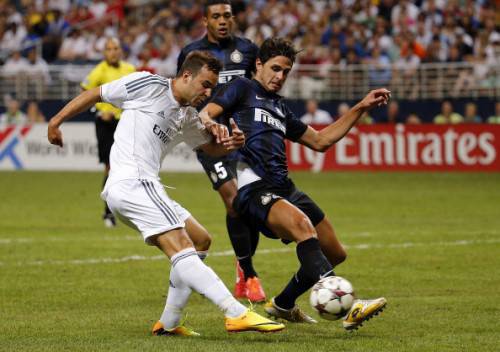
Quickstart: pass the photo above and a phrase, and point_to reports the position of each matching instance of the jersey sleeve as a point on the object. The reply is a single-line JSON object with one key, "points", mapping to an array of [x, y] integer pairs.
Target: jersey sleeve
{"points": [[126, 88], [194, 133], [230, 95], [93, 79], [294, 127]]}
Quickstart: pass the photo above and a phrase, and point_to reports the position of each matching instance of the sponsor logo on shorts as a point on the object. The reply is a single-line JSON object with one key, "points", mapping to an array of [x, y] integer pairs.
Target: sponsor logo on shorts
{"points": [[266, 198]]}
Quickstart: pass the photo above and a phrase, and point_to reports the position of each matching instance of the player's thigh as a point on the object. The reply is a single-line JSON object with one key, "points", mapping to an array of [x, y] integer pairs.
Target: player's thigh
{"points": [[172, 242], [227, 192], [288, 222], [144, 206], [329, 242], [198, 234]]}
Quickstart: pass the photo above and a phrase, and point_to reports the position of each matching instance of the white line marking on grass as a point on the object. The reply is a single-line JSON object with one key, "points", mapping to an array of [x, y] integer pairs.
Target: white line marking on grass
{"points": [[227, 253]]}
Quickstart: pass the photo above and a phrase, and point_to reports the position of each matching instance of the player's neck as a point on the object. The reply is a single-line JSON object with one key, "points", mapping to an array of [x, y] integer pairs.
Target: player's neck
{"points": [[177, 94], [115, 64], [212, 39]]}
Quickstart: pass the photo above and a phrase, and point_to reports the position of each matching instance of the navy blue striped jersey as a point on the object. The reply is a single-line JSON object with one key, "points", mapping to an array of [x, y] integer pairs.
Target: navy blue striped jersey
{"points": [[266, 122], [236, 54]]}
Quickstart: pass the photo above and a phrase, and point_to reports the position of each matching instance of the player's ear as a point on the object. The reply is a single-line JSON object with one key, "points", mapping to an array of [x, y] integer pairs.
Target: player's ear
{"points": [[186, 75], [258, 64]]}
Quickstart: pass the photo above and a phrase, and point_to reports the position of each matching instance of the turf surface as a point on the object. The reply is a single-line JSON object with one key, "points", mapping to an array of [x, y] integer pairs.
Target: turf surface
{"points": [[430, 243]]}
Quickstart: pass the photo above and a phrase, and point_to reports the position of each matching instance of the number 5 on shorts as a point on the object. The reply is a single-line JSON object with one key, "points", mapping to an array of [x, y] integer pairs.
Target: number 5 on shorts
{"points": [[221, 170]]}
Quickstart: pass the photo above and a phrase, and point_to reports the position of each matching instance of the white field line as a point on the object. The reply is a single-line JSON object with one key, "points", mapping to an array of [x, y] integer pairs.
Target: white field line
{"points": [[228, 253]]}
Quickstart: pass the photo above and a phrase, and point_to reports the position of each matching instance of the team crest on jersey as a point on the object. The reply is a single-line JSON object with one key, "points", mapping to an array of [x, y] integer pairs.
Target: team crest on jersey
{"points": [[236, 56]]}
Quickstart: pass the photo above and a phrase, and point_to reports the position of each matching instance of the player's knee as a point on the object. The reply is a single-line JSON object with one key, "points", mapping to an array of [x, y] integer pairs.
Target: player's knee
{"points": [[203, 241], [340, 257], [303, 228]]}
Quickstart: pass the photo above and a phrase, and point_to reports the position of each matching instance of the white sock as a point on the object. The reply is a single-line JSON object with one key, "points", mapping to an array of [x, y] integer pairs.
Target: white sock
{"points": [[199, 277], [177, 296]]}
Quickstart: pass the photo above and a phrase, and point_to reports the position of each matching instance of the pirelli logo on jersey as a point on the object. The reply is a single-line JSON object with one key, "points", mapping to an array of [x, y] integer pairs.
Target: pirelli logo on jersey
{"points": [[228, 76], [264, 116], [164, 136]]}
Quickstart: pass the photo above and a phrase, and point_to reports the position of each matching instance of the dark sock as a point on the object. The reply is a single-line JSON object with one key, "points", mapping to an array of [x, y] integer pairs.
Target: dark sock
{"points": [[254, 239], [314, 266], [239, 234]]}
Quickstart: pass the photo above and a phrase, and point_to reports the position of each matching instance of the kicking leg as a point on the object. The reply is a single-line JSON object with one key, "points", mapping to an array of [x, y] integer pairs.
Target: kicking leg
{"points": [[191, 271], [290, 223]]}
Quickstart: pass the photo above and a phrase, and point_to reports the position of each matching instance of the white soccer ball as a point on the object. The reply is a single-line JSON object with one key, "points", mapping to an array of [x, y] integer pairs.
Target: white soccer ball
{"points": [[332, 297]]}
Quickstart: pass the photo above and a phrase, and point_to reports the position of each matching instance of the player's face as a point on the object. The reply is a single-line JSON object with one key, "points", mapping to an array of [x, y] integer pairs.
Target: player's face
{"points": [[273, 73], [112, 52], [219, 22], [200, 86]]}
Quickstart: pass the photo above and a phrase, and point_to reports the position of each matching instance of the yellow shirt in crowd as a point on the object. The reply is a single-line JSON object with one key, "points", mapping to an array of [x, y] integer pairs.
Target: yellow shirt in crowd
{"points": [[105, 73]]}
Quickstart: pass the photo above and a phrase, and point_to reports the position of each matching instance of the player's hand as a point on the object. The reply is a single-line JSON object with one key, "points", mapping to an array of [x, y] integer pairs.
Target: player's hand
{"points": [[107, 116], [54, 134], [237, 139], [376, 97], [217, 130]]}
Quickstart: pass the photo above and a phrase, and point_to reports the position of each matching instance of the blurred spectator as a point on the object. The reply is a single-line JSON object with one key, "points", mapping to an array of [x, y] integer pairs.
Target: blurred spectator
{"points": [[496, 117], [13, 114], [165, 64], [33, 113], [366, 119], [470, 115], [13, 37], [314, 115], [393, 113], [74, 47], [37, 68], [413, 119], [379, 68], [447, 115], [15, 65], [342, 109]]}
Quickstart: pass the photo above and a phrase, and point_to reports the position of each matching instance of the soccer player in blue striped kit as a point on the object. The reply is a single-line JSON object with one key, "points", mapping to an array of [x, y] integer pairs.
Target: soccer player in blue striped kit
{"points": [[238, 56], [265, 192]]}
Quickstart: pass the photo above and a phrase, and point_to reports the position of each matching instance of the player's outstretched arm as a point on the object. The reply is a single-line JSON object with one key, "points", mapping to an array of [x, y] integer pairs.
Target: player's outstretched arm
{"points": [[323, 139], [207, 116], [82, 102], [227, 144]]}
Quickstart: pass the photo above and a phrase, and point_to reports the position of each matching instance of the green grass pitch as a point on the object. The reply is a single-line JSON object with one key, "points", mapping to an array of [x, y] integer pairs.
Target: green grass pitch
{"points": [[428, 242]]}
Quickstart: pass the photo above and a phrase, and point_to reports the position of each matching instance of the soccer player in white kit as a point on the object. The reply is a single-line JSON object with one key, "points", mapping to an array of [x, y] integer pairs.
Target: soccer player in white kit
{"points": [[158, 114]]}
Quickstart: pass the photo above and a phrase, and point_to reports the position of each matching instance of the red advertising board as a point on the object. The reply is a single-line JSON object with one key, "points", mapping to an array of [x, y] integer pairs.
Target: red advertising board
{"points": [[466, 147]]}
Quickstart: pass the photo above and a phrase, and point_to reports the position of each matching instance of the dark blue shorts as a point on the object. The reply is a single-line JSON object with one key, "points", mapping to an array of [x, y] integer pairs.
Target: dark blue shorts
{"points": [[218, 169], [254, 201]]}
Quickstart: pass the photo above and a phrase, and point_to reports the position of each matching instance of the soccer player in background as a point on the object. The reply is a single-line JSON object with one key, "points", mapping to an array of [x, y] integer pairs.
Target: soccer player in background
{"points": [[158, 115], [238, 58], [265, 192], [107, 115]]}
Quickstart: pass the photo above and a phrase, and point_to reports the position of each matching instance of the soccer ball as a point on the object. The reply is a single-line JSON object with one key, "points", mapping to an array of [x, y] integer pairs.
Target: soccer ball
{"points": [[332, 297]]}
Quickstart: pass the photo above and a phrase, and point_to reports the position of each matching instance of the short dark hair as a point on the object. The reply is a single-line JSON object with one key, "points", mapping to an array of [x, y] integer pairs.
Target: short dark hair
{"points": [[273, 47], [197, 59], [209, 3]]}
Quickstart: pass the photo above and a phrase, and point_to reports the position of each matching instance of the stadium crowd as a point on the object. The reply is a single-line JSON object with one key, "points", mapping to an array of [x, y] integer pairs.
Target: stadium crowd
{"points": [[334, 33]]}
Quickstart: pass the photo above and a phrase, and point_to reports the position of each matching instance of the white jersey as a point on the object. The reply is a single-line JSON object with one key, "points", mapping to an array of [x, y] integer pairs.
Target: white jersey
{"points": [[151, 124]]}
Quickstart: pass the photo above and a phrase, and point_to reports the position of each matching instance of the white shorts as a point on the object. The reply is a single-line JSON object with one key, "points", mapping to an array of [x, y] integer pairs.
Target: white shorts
{"points": [[145, 206]]}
